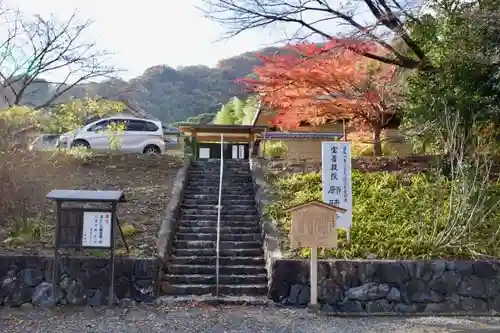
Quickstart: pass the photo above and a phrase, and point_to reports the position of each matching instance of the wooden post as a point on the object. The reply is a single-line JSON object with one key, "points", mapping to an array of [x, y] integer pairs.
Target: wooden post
{"points": [[314, 278], [194, 145], [344, 130], [314, 225]]}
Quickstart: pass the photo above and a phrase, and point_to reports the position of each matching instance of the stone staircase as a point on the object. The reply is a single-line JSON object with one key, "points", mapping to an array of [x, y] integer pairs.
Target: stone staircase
{"points": [[192, 270]]}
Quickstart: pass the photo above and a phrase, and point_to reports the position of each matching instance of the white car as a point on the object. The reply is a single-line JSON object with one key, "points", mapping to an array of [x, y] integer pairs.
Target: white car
{"points": [[44, 141], [141, 136]]}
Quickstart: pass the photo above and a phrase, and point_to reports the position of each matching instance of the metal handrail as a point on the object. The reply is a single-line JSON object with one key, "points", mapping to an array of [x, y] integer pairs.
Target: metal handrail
{"points": [[219, 207]]}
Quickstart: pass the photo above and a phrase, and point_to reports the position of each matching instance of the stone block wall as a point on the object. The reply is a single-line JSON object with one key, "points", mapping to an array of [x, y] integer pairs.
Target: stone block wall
{"points": [[165, 234], [405, 287], [83, 281], [270, 234]]}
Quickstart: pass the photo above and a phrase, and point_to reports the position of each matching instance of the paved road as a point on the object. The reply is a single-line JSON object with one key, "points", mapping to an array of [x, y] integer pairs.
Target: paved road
{"points": [[231, 319]]}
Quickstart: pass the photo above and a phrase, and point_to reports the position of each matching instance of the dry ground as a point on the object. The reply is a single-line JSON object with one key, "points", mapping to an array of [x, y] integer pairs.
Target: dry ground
{"points": [[146, 182], [142, 319]]}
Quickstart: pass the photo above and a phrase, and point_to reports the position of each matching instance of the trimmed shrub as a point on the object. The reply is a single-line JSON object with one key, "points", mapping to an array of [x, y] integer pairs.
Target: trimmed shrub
{"points": [[400, 216], [273, 149]]}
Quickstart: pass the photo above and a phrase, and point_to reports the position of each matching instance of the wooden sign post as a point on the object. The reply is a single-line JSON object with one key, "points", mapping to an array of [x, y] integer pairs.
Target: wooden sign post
{"points": [[313, 226]]}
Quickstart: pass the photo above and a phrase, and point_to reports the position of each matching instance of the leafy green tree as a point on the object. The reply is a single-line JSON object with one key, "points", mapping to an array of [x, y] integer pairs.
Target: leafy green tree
{"points": [[224, 116], [237, 106], [73, 114], [63, 118], [115, 140], [18, 117], [249, 110], [462, 98]]}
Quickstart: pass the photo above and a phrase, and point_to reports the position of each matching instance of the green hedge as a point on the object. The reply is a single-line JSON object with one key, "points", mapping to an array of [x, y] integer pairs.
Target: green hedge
{"points": [[402, 216]]}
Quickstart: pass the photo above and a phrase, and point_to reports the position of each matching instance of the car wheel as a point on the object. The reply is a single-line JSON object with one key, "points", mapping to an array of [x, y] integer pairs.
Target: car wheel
{"points": [[80, 144], [152, 150]]}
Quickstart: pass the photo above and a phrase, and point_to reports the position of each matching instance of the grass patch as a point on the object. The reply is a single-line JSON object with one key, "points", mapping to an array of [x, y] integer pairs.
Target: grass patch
{"points": [[400, 216], [128, 230]]}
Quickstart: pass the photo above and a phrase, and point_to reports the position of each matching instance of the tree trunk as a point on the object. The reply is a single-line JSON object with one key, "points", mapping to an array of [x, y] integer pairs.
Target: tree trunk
{"points": [[377, 145]]}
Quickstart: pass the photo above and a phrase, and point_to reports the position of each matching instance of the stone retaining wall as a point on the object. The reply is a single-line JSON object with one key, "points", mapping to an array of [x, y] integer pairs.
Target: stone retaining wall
{"points": [[438, 287], [165, 235], [83, 281], [270, 234]]}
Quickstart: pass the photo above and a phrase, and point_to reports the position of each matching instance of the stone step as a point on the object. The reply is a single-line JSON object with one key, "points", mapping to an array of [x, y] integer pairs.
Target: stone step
{"points": [[217, 160], [223, 237], [238, 207], [216, 163], [196, 188], [204, 260], [223, 253], [223, 230], [216, 172], [225, 210], [211, 269], [224, 217], [215, 183], [203, 289], [232, 279], [226, 167], [229, 184], [215, 196], [214, 201], [228, 195], [226, 245], [216, 178], [171, 301], [213, 223]]}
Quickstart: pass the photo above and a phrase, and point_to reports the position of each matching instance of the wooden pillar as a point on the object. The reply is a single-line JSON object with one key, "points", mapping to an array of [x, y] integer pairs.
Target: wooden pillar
{"points": [[194, 145]]}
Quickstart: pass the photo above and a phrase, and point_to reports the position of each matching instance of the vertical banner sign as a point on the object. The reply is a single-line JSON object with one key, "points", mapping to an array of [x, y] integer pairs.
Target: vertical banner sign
{"points": [[337, 180]]}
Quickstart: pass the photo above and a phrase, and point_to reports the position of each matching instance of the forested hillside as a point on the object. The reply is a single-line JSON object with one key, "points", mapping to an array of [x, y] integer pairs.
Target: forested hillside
{"points": [[169, 94]]}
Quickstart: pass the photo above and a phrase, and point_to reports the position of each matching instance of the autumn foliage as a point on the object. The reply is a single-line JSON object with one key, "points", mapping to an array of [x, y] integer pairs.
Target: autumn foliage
{"points": [[319, 83]]}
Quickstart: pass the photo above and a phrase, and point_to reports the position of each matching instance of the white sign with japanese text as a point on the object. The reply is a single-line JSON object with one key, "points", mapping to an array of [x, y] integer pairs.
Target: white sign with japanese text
{"points": [[337, 180], [96, 229]]}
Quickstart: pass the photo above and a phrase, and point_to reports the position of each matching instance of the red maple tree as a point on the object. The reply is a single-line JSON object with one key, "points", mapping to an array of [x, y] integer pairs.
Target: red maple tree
{"points": [[319, 83]]}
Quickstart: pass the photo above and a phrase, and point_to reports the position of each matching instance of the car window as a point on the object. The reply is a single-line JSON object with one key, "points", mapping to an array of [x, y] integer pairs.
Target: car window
{"points": [[150, 127], [91, 120], [99, 126], [141, 126], [135, 125]]}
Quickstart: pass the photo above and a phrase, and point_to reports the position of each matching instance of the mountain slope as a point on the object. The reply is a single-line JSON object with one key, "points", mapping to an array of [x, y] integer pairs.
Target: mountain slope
{"points": [[173, 95]]}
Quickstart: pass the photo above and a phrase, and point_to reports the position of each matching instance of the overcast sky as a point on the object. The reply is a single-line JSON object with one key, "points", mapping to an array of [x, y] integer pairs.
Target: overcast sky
{"points": [[151, 32]]}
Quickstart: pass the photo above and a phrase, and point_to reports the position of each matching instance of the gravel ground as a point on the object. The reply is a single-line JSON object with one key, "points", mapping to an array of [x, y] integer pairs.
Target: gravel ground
{"points": [[205, 319]]}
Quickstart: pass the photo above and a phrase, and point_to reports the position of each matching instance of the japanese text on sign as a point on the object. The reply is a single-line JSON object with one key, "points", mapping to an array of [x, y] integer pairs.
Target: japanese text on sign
{"points": [[337, 182], [312, 227], [96, 229]]}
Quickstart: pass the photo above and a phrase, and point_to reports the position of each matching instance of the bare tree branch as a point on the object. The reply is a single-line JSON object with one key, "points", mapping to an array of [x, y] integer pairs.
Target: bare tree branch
{"points": [[320, 18], [38, 48]]}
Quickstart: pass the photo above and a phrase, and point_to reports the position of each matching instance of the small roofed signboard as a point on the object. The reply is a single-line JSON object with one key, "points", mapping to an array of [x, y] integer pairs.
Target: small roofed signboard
{"points": [[314, 225]]}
